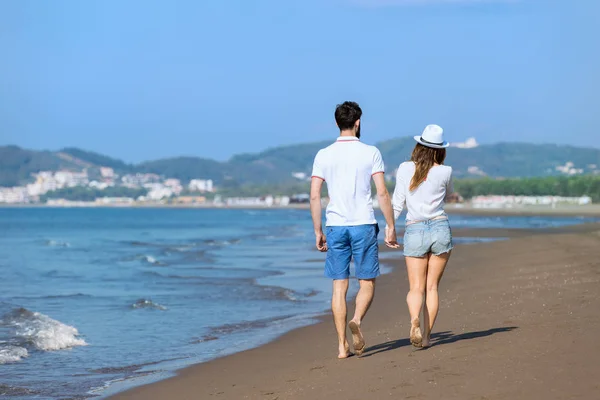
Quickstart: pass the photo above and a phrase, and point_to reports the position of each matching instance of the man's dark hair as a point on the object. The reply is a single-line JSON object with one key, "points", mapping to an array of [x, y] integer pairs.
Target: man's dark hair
{"points": [[346, 115]]}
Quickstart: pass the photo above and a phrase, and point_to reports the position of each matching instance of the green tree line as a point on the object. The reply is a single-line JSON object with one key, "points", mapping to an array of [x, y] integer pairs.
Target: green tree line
{"points": [[575, 186]]}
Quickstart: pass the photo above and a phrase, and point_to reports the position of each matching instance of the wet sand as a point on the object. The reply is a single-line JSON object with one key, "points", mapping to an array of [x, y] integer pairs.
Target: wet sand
{"points": [[518, 319]]}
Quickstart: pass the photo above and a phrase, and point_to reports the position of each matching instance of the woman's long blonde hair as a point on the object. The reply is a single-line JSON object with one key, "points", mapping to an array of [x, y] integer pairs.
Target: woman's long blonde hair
{"points": [[424, 158]]}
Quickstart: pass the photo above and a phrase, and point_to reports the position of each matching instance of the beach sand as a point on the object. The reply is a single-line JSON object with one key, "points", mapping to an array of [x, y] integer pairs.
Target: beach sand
{"points": [[519, 319]]}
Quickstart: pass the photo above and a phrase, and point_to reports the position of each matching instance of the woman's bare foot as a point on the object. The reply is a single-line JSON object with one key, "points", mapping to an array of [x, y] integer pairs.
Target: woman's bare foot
{"points": [[357, 338], [426, 342], [344, 351], [416, 338]]}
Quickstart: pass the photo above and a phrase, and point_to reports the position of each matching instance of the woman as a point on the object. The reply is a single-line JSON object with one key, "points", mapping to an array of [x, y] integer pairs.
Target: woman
{"points": [[423, 184]]}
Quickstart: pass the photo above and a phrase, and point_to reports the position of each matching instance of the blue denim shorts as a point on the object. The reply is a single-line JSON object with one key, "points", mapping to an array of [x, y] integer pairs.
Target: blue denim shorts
{"points": [[347, 242], [431, 236]]}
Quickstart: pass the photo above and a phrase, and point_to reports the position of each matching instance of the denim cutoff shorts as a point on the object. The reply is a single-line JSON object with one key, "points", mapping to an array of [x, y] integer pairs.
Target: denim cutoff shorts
{"points": [[431, 236]]}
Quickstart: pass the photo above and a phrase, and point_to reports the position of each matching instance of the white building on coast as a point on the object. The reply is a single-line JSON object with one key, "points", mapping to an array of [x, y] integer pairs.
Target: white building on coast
{"points": [[201, 185], [517, 201]]}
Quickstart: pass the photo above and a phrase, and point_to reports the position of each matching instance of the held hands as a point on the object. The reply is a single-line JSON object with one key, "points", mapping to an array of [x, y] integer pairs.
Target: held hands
{"points": [[390, 237], [321, 241]]}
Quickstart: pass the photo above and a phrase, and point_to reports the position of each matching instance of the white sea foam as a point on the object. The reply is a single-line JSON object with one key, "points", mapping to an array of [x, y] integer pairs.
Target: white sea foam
{"points": [[144, 303], [10, 354], [150, 260], [43, 332], [58, 243]]}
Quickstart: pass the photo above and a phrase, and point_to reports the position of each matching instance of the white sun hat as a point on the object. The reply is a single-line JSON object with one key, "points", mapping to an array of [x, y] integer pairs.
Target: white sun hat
{"points": [[432, 136]]}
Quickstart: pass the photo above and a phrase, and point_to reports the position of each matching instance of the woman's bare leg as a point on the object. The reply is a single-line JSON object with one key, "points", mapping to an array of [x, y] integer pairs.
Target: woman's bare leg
{"points": [[435, 270], [417, 278]]}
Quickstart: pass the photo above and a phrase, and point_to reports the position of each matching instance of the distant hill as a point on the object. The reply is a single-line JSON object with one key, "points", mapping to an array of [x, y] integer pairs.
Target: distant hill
{"points": [[17, 165], [509, 160], [276, 165], [95, 159]]}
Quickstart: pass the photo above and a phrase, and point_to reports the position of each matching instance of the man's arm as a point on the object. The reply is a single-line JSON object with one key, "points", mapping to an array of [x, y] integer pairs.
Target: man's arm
{"points": [[385, 204], [316, 185]]}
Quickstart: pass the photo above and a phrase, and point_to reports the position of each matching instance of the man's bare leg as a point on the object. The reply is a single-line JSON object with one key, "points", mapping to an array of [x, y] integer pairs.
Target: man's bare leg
{"points": [[338, 306], [364, 298]]}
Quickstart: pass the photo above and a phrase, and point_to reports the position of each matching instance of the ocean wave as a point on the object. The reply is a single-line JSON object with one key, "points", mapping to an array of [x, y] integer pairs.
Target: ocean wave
{"points": [[53, 296], [6, 390], [62, 296], [244, 326], [10, 354], [137, 243], [184, 248], [205, 338], [41, 331], [215, 242], [150, 260], [57, 243], [199, 279], [145, 303], [280, 293]]}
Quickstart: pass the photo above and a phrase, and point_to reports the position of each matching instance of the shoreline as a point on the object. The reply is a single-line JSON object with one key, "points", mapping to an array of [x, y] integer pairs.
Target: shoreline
{"points": [[284, 356], [592, 210]]}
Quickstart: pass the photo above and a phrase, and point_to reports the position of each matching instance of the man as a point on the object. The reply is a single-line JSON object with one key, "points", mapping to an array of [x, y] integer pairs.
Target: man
{"points": [[348, 167]]}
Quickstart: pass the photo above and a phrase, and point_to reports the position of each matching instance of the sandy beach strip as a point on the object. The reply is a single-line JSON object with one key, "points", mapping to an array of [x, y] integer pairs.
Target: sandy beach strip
{"points": [[518, 319]]}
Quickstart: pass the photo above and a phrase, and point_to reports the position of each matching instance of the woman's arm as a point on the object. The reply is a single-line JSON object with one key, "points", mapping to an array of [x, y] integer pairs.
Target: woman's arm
{"points": [[449, 187], [399, 197]]}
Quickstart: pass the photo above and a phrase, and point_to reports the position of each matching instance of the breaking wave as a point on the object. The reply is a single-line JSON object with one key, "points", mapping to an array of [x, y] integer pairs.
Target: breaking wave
{"points": [[10, 354], [57, 243], [150, 260], [145, 303], [37, 330]]}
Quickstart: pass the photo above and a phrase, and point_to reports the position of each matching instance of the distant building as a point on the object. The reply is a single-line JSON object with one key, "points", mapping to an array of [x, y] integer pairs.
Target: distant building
{"points": [[157, 191], [139, 180], [474, 170], [300, 198], [100, 185], [201, 185], [190, 200], [246, 201], [71, 179], [569, 169], [512, 201], [299, 175], [470, 143], [14, 195], [174, 185], [107, 173], [114, 201], [283, 201]]}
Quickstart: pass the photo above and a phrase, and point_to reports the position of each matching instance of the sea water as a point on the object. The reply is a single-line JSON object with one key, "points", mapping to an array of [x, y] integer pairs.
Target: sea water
{"points": [[97, 300]]}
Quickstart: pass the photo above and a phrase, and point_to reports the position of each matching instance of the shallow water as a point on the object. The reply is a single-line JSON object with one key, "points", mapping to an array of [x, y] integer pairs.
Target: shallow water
{"points": [[92, 298]]}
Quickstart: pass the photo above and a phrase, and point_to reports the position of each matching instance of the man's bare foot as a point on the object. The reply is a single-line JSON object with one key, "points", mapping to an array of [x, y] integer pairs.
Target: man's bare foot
{"points": [[357, 338], [344, 351], [416, 338]]}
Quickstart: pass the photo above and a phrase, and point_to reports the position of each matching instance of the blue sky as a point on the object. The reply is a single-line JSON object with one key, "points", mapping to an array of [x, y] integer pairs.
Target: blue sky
{"points": [[147, 79]]}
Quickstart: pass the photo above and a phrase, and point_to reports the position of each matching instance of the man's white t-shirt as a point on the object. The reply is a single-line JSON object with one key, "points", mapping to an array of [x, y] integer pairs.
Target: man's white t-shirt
{"points": [[426, 201], [347, 167]]}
